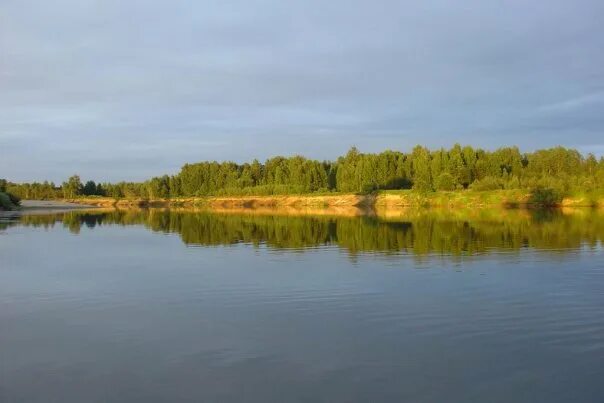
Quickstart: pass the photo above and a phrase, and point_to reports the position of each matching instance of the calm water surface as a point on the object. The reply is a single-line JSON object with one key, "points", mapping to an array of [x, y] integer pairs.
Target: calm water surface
{"points": [[159, 306]]}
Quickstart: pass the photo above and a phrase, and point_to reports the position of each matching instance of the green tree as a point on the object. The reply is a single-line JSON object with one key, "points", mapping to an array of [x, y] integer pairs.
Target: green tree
{"points": [[89, 188], [72, 188], [158, 188], [444, 181], [422, 179]]}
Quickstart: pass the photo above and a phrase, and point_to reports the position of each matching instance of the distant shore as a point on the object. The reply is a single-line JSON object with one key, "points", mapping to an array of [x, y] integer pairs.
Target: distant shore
{"points": [[384, 200]]}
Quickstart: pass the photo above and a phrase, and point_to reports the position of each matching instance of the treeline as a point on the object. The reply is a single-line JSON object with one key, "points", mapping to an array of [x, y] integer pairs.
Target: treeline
{"points": [[562, 170], [69, 189]]}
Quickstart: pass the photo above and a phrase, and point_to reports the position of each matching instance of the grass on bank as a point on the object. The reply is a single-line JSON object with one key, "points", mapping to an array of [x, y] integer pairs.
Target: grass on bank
{"points": [[542, 197]]}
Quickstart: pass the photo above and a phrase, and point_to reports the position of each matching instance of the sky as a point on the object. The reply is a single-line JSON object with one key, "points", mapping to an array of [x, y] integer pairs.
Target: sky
{"points": [[125, 90]]}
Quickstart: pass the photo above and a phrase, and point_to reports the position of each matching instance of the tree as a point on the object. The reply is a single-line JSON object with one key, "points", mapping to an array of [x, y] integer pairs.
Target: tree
{"points": [[89, 188], [457, 167], [422, 180], [72, 188], [100, 190], [444, 182], [175, 186], [347, 179], [159, 188]]}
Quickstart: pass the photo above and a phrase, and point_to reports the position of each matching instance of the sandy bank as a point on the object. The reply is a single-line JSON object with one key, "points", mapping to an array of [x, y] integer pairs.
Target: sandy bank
{"points": [[387, 200], [296, 201]]}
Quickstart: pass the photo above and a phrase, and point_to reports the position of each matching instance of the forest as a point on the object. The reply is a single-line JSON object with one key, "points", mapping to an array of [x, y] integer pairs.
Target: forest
{"points": [[560, 170]]}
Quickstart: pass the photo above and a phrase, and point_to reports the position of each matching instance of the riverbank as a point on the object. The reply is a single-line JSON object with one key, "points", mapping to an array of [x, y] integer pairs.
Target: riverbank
{"points": [[315, 201], [384, 200]]}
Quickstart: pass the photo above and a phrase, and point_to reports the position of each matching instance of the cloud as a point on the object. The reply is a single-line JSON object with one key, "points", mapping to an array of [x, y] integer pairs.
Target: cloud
{"points": [[574, 103], [145, 86]]}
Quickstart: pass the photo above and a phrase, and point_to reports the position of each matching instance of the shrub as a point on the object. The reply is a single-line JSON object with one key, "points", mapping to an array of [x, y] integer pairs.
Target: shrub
{"points": [[445, 182], [487, 183], [368, 188], [14, 199], [5, 202], [545, 196]]}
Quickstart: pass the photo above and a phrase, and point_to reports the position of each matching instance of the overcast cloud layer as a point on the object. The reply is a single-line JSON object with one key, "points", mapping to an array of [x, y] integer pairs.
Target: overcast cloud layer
{"points": [[129, 89]]}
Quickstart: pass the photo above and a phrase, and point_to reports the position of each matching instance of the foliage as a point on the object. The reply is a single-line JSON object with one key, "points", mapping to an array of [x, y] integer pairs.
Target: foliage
{"points": [[15, 200], [486, 183], [545, 196], [5, 203], [35, 190], [8, 201], [445, 181], [72, 188], [420, 163], [564, 171]]}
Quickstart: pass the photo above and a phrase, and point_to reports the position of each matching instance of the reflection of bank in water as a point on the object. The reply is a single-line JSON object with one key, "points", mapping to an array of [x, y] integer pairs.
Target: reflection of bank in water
{"points": [[418, 232]]}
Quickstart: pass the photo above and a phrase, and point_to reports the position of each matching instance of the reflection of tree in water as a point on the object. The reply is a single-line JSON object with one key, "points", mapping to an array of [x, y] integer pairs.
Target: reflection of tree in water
{"points": [[420, 233]]}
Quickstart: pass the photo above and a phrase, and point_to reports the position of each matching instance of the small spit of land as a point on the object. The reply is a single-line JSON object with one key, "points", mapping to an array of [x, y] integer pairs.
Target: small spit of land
{"points": [[46, 205]]}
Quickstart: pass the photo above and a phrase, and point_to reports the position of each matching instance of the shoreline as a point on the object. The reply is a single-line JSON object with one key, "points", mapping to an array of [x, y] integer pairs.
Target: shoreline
{"points": [[384, 203], [336, 206], [385, 200]]}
